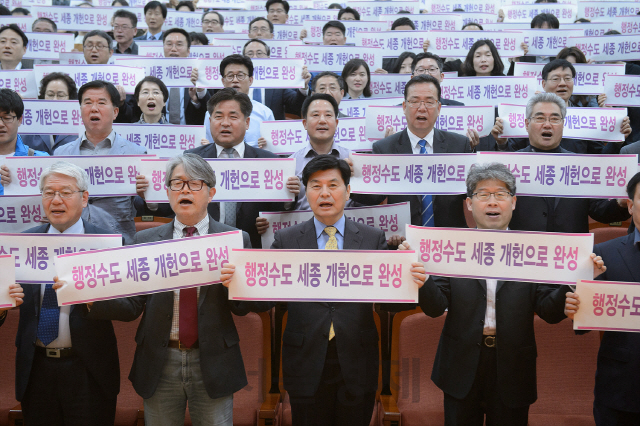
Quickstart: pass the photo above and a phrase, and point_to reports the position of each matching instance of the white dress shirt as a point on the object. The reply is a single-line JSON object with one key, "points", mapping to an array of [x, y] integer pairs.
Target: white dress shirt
{"points": [[490, 313], [415, 146], [238, 153]]}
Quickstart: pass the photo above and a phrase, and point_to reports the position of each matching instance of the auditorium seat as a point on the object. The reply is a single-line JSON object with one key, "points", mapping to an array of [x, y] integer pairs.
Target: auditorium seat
{"points": [[415, 399], [8, 365], [566, 368], [141, 225], [602, 234]]}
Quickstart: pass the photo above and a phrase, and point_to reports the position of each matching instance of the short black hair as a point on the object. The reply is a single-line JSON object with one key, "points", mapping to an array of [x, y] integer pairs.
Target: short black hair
{"points": [[155, 4], [403, 21], [352, 66], [284, 3], [334, 24], [122, 3], [121, 13], [467, 66], [4, 10], [47, 20], [201, 37], [58, 76], [427, 55], [11, 102], [17, 29], [187, 3], [335, 6], [419, 79], [546, 1], [179, 31], [472, 24], [554, 65], [326, 74], [397, 64], [231, 94], [613, 32], [584, 20], [255, 40], [239, 60], [324, 162], [260, 18], [21, 10], [350, 10], [102, 34], [114, 95], [220, 17], [154, 80], [572, 51], [319, 97], [549, 18], [631, 185]]}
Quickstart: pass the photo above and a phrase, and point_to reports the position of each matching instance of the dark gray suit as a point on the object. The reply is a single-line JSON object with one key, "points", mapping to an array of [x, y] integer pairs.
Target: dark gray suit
{"points": [[633, 148]]}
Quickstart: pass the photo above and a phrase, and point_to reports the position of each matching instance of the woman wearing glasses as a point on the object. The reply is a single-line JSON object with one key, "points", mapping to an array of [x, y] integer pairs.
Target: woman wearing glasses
{"points": [[151, 96]]}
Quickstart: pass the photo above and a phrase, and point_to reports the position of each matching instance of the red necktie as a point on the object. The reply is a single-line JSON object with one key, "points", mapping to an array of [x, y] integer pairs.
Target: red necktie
{"points": [[188, 332]]}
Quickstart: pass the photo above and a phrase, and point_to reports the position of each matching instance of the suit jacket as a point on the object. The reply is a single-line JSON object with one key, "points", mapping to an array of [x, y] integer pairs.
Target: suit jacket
{"points": [[94, 341], [247, 212], [220, 358], [447, 209], [450, 102], [283, 100], [41, 142], [27, 64], [456, 362], [577, 146], [305, 339], [130, 112], [116, 213], [618, 372], [555, 214], [633, 148]]}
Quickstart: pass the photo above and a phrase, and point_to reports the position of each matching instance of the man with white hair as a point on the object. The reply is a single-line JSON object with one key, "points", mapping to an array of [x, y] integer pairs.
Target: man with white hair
{"points": [[66, 364]]}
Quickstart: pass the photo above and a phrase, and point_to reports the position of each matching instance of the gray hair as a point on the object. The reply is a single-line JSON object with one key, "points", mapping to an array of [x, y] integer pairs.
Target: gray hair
{"points": [[194, 166], [545, 97], [67, 169], [496, 171]]}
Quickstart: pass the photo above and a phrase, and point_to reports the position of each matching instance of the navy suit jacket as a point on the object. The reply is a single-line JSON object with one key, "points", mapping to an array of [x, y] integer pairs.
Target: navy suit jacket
{"points": [[93, 340], [618, 372], [283, 100], [41, 142]]}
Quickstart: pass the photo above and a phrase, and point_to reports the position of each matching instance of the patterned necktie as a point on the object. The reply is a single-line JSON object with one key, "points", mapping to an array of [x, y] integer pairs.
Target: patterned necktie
{"points": [[188, 327], [152, 37], [230, 207], [332, 244], [427, 201], [257, 95], [174, 105], [49, 316]]}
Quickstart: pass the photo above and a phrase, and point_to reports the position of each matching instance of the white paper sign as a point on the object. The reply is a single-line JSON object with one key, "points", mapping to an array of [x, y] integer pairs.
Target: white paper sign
{"points": [[608, 306], [590, 78], [293, 5], [35, 253], [526, 12], [622, 90], [8, 277], [223, 4], [410, 174], [548, 42], [77, 18], [540, 257], [267, 73], [21, 81], [567, 175], [42, 117], [162, 141], [386, 85], [208, 52], [237, 179], [20, 212], [238, 20], [300, 16], [334, 58], [590, 29], [288, 136], [481, 91], [316, 276], [456, 44], [174, 72], [24, 22], [144, 268], [279, 48], [188, 21], [391, 218], [628, 24], [598, 124], [314, 29], [109, 175], [603, 10], [370, 10], [609, 48], [428, 21], [286, 31], [358, 107], [118, 75], [77, 58], [482, 6], [48, 45]]}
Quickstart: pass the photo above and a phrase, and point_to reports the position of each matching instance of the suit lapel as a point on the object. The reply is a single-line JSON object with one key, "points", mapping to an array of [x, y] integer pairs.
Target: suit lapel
{"points": [[352, 236], [249, 151], [404, 144], [439, 144], [308, 239], [631, 257], [499, 286], [483, 284]]}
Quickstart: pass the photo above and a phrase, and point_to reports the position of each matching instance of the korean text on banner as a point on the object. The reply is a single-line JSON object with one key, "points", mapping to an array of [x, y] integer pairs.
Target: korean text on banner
{"points": [[34, 253], [144, 268], [541, 257], [163, 141], [473, 91], [456, 44], [334, 58], [608, 48], [318, 275], [48, 45], [589, 80], [267, 73], [608, 306], [8, 277], [21, 81], [20, 212], [125, 76], [622, 90], [358, 107], [42, 117]]}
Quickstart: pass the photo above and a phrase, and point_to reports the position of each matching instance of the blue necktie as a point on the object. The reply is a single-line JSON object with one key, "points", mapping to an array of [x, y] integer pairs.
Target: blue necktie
{"points": [[49, 316], [152, 37], [427, 201], [257, 95]]}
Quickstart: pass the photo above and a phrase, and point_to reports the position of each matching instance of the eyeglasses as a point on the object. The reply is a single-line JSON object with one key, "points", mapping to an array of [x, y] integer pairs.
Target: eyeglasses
{"points": [[121, 27], [258, 54], [96, 46], [65, 194], [541, 119], [419, 71], [210, 22], [59, 95], [556, 80], [259, 30], [146, 94], [427, 104], [485, 196], [8, 119], [178, 184], [327, 89], [275, 11], [240, 76]]}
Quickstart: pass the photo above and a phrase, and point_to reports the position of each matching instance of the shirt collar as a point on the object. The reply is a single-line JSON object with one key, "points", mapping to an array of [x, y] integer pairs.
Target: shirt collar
{"points": [[76, 228], [415, 139], [339, 225], [636, 237], [239, 149], [310, 152], [202, 226], [111, 138], [554, 150]]}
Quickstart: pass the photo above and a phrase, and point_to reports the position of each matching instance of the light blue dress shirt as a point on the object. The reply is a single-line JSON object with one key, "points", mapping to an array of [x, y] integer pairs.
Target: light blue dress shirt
{"points": [[323, 237]]}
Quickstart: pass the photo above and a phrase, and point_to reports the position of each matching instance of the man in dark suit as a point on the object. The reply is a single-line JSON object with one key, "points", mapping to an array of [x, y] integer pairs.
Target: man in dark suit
{"points": [[67, 369], [187, 343], [47, 143], [230, 111], [486, 359], [14, 46], [545, 120], [617, 396]]}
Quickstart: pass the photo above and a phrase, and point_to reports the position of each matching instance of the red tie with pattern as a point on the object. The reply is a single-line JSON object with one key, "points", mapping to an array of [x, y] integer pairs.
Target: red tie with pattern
{"points": [[189, 309]]}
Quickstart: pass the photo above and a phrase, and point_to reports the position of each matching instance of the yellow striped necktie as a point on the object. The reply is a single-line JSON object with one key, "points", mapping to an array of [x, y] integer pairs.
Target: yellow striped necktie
{"points": [[332, 244]]}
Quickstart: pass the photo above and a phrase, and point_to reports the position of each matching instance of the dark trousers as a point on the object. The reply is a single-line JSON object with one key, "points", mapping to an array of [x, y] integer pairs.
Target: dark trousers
{"points": [[62, 392], [605, 416], [333, 404], [483, 399]]}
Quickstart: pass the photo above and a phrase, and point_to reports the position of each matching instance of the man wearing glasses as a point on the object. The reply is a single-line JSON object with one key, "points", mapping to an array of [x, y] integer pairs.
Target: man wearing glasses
{"points": [[260, 28], [96, 46], [212, 22], [124, 29]]}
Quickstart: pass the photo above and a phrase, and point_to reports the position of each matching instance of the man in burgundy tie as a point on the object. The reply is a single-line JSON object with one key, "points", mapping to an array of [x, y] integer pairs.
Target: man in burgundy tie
{"points": [[187, 343]]}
